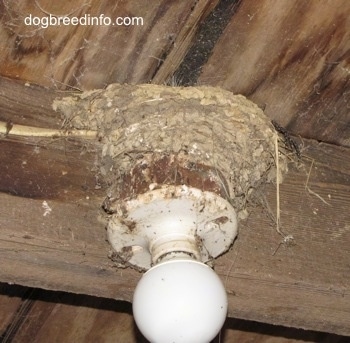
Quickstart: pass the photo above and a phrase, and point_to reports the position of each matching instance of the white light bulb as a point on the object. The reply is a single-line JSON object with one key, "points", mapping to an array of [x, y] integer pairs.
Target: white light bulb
{"points": [[175, 228], [180, 301]]}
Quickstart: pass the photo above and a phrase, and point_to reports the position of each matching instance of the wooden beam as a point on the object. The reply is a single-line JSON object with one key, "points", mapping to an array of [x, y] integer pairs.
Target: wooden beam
{"points": [[52, 235], [92, 56], [183, 42], [28, 314], [291, 58]]}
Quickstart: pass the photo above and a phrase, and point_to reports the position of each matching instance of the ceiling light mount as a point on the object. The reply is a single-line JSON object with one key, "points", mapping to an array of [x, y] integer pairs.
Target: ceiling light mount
{"points": [[144, 230]]}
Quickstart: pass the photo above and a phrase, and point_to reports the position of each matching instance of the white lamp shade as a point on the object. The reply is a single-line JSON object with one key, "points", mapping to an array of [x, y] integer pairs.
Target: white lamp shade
{"points": [[180, 301]]}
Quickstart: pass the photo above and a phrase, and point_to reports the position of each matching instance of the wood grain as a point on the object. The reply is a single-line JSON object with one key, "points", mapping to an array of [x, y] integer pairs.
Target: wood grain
{"points": [[87, 57], [10, 301], [44, 316], [28, 104], [293, 59], [183, 42]]}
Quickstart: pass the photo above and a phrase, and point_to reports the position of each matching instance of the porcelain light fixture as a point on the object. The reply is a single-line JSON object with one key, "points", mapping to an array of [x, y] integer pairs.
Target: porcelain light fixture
{"points": [[175, 231]]}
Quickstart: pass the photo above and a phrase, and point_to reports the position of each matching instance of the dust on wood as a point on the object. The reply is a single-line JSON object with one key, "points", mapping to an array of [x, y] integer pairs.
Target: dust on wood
{"points": [[87, 57], [41, 167], [293, 60]]}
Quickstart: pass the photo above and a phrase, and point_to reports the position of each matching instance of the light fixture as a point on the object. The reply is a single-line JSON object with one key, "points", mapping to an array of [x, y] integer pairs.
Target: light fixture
{"points": [[179, 162], [176, 230]]}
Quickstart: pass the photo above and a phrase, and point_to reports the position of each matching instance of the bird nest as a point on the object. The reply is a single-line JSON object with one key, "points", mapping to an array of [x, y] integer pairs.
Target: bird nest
{"points": [[194, 126]]}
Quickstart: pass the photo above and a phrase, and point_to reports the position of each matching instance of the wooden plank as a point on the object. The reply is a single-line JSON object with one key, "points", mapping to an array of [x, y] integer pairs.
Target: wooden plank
{"points": [[10, 303], [291, 58], [207, 35], [308, 278], [34, 171], [89, 56], [63, 174], [29, 105], [183, 42], [80, 318], [60, 317]]}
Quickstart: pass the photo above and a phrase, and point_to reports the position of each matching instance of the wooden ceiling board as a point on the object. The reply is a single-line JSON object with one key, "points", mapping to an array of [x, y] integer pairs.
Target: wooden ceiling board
{"points": [[88, 57], [293, 59], [44, 316]]}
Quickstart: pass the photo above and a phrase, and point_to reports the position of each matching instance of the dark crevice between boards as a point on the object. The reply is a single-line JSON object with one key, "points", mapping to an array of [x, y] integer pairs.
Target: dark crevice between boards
{"points": [[21, 314], [208, 34]]}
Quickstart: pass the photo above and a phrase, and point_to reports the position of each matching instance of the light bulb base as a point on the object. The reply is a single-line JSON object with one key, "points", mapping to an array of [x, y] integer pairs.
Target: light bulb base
{"points": [[170, 244], [171, 218]]}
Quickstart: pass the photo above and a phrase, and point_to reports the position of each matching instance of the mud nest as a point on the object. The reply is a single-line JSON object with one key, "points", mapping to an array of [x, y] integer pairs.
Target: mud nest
{"points": [[194, 126]]}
